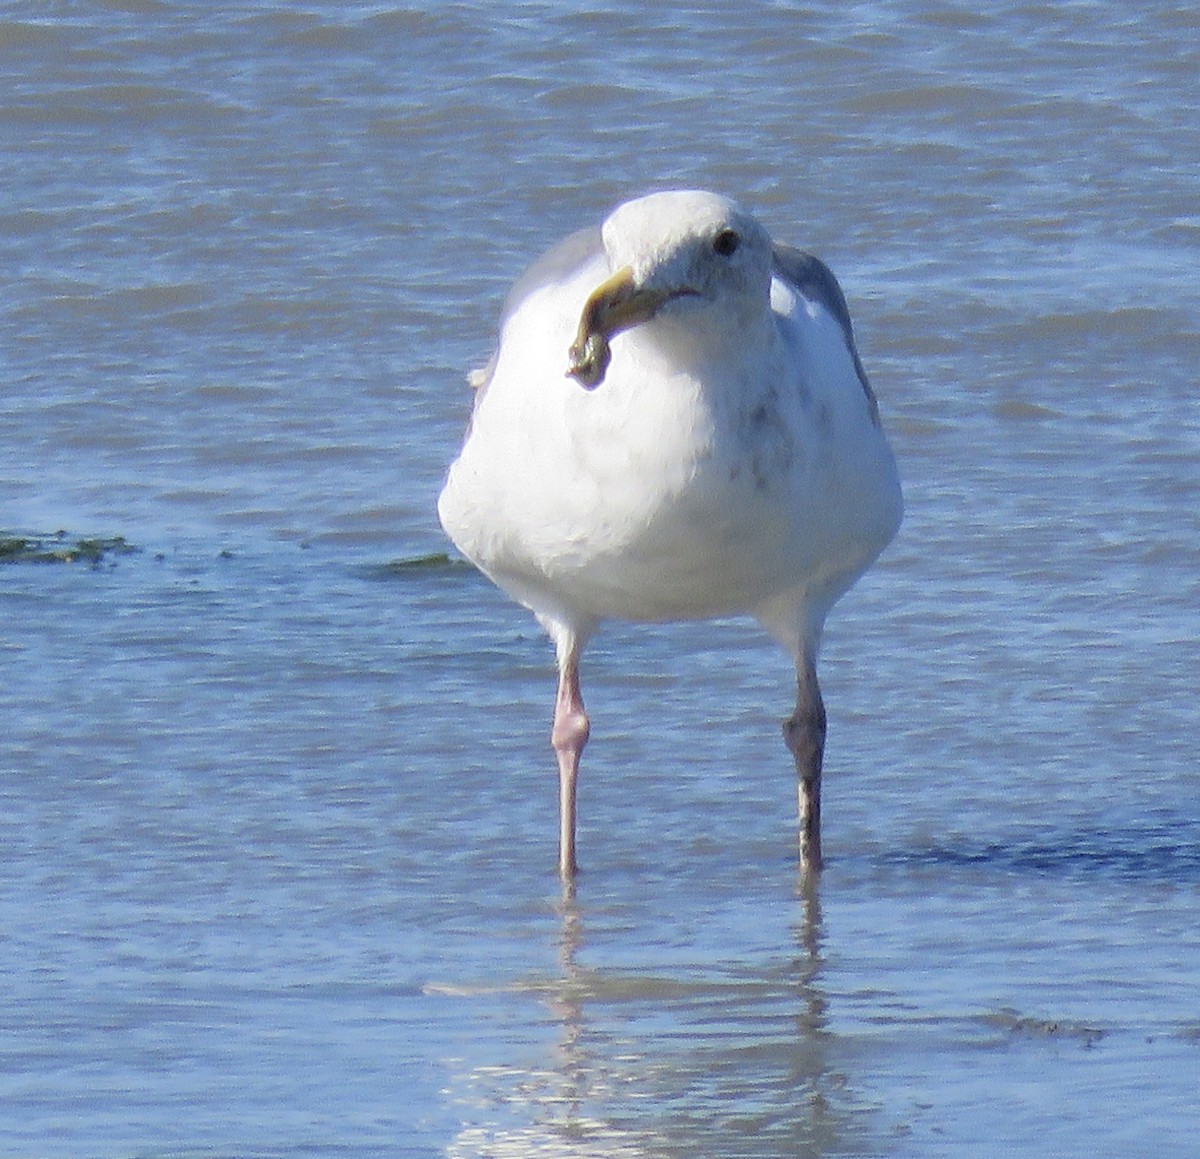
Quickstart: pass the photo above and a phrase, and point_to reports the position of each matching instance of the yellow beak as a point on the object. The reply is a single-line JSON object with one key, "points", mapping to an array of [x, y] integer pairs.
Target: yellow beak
{"points": [[615, 305]]}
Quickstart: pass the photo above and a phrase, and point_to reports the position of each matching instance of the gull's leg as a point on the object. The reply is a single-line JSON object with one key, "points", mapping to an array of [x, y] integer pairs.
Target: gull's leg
{"points": [[804, 732], [569, 735]]}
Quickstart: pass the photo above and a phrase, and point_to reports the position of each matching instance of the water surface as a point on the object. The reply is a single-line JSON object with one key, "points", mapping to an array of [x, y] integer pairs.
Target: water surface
{"points": [[277, 814]]}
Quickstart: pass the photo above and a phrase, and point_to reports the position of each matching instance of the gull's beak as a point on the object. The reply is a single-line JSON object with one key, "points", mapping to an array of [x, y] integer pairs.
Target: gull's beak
{"points": [[613, 306]]}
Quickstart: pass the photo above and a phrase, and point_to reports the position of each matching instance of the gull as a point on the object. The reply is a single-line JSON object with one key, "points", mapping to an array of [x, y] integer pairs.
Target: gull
{"points": [[676, 425]]}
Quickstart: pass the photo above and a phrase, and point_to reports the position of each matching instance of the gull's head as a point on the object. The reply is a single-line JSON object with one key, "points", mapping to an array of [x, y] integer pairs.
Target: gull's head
{"points": [[685, 254]]}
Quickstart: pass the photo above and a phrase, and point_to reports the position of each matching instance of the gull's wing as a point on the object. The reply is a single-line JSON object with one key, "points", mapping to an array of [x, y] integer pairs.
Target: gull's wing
{"points": [[811, 279]]}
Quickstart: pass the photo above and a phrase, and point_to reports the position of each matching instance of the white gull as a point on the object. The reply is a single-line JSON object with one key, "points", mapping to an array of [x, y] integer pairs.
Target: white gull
{"points": [[676, 426]]}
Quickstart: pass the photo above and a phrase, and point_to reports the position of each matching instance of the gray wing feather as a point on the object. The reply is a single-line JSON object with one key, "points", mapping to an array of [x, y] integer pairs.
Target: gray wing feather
{"points": [[812, 279]]}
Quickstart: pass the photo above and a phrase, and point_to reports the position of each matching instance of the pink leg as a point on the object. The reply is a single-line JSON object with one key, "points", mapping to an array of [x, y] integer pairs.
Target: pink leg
{"points": [[569, 735], [804, 732]]}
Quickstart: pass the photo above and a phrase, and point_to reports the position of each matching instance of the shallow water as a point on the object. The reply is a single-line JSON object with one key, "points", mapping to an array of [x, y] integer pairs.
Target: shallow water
{"points": [[277, 807]]}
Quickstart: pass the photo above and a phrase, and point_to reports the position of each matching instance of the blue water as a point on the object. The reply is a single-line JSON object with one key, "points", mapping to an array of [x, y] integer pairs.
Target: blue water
{"points": [[277, 807]]}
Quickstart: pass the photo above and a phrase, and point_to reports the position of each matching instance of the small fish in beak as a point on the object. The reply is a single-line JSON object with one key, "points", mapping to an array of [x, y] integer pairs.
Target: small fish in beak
{"points": [[615, 305]]}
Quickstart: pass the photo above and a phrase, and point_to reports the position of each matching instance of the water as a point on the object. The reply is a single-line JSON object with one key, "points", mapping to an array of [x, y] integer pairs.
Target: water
{"points": [[277, 818]]}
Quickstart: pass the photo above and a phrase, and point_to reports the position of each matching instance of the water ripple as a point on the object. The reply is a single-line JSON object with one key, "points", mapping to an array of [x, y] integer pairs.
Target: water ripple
{"points": [[1167, 854]]}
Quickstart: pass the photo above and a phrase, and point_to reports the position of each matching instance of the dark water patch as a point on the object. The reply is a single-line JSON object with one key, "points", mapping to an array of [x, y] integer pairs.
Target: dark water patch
{"points": [[1023, 410], [63, 548], [1150, 854]]}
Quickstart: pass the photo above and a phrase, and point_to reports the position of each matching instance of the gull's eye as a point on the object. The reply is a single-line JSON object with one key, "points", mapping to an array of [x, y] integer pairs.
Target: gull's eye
{"points": [[726, 242]]}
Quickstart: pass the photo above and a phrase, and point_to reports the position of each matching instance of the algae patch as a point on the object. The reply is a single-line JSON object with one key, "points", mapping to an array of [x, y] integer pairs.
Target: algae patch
{"points": [[1023, 1025], [62, 548], [432, 564], [435, 561]]}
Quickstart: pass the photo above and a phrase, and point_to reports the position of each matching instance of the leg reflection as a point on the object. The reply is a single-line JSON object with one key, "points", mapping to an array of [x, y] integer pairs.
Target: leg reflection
{"points": [[704, 1041], [687, 1056]]}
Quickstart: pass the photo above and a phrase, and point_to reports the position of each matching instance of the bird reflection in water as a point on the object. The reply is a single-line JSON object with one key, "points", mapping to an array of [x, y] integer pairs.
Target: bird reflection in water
{"points": [[728, 1059]]}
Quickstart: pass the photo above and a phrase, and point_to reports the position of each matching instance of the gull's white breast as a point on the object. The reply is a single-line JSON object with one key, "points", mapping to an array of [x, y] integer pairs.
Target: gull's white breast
{"points": [[700, 478]]}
